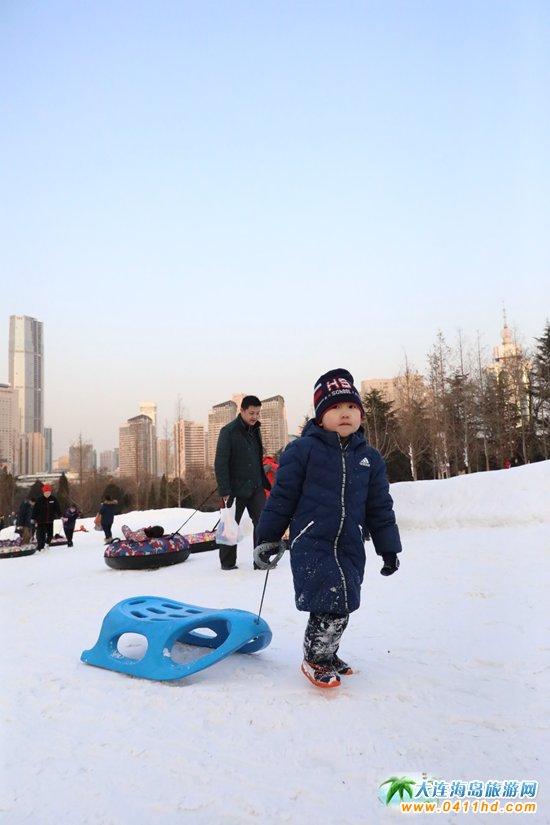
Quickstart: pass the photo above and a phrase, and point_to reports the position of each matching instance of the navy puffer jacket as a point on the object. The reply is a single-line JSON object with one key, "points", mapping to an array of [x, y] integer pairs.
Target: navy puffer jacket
{"points": [[330, 493]]}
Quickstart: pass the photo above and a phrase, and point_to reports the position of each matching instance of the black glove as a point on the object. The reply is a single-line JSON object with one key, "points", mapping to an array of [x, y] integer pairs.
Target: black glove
{"points": [[264, 552], [391, 563]]}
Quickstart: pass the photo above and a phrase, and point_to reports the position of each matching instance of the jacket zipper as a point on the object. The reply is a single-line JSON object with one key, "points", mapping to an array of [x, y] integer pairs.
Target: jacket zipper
{"points": [[301, 533], [342, 518]]}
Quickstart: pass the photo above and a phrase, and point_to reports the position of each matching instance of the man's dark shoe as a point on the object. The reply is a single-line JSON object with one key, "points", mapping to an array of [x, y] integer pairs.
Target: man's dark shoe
{"points": [[233, 567]]}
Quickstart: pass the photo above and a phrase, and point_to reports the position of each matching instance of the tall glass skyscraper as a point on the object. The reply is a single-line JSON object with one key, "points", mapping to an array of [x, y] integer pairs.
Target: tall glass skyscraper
{"points": [[26, 367]]}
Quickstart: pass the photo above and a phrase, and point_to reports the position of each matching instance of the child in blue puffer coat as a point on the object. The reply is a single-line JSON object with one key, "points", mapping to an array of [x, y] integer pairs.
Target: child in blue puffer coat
{"points": [[331, 489]]}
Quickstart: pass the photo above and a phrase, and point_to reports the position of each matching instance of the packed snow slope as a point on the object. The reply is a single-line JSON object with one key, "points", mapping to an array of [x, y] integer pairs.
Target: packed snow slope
{"points": [[451, 654]]}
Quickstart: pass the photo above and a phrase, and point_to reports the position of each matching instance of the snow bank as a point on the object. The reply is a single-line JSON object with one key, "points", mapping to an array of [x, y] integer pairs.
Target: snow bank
{"points": [[496, 499]]}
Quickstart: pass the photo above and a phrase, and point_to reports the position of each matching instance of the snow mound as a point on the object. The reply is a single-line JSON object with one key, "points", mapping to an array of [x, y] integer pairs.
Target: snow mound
{"points": [[495, 499]]}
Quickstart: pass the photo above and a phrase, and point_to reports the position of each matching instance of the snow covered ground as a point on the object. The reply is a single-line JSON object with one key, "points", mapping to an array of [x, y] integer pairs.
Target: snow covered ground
{"points": [[452, 659]]}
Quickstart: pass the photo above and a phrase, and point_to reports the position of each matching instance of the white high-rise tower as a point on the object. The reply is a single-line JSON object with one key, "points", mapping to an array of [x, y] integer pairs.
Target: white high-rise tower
{"points": [[26, 366]]}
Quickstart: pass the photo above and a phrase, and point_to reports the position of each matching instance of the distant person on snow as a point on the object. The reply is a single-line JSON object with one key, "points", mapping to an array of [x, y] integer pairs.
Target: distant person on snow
{"points": [[107, 513], [69, 521], [25, 522], [44, 513], [239, 470], [331, 487]]}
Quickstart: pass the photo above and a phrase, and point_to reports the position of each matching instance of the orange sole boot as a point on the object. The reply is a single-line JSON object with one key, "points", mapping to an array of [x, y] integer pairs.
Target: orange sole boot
{"points": [[320, 675]]}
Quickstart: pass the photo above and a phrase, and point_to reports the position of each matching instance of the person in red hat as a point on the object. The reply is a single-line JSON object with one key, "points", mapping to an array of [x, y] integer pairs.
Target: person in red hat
{"points": [[45, 511]]}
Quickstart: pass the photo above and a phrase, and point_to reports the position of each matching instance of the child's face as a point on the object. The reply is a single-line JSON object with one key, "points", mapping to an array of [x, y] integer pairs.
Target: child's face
{"points": [[344, 419]]}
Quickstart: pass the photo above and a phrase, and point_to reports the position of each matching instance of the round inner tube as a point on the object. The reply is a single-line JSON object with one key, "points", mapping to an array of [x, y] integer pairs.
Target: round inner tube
{"points": [[146, 555], [152, 561], [16, 552]]}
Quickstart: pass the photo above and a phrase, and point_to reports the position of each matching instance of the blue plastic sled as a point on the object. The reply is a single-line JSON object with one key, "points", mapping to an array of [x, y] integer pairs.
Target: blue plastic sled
{"points": [[164, 622]]}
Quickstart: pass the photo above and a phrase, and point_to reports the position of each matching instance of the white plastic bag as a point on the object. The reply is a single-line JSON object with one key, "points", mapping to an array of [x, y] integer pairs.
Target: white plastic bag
{"points": [[227, 531], [245, 527]]}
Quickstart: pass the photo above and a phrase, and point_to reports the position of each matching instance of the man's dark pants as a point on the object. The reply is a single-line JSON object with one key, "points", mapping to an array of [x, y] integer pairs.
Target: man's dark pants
{"points": [[254, 505], [44, 535]]}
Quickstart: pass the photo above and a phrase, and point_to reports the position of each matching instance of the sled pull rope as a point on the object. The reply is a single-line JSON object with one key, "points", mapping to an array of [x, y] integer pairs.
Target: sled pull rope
{"points": [[193, 513], [263, 594]]}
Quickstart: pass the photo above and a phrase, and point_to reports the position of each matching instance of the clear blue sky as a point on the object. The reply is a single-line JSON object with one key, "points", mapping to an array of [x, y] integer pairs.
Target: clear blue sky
{"points": [[202, 198]]}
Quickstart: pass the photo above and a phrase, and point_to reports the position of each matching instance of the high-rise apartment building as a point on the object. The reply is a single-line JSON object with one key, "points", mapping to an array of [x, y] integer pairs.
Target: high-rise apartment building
{"points": [[274, 424], [218, 417], [26, 371], [108, 461], [149, 408], [188, 447], [9, 429], [32, 453], [138, 448], [82, 458], [61, 464], [387, 387], [48, 449]]}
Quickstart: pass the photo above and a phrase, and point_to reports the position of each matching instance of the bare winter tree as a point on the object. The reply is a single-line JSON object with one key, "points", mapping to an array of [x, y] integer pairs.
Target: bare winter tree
{"points": [[439, 374], [412, 436], [479, 401]]}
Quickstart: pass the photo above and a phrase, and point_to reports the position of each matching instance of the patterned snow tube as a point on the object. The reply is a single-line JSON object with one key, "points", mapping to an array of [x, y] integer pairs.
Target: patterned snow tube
{"points": [[146, 555], [201, 542], [13, 548]]}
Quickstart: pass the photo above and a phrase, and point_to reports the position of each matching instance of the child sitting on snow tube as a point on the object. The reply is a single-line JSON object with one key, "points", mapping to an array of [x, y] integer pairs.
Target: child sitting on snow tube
{"points": [[140, 551], [144, 534]]}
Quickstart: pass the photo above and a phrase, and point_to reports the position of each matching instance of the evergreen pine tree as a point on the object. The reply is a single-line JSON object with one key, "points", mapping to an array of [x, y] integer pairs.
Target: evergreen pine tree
{"points": [[7, 493], [35, 490], [163, 492], [152, 502], [540, 388], [63, 492]]}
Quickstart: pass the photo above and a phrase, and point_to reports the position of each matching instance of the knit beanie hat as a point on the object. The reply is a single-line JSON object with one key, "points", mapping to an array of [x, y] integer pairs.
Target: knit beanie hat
{"points": [[334, 387]]}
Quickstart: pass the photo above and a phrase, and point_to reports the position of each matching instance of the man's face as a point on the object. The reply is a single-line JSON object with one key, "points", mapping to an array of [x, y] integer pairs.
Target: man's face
{"points": [[250, 415], [344, 419], [47, 493]]}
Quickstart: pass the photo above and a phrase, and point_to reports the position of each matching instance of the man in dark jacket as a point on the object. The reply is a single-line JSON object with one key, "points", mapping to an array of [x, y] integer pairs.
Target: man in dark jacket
{"points": [[107, 512], [239, 471], [44, 513], [24, 519]]}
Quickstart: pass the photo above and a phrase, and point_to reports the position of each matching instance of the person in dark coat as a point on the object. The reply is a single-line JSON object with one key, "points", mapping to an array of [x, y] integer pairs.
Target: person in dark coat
{"points": [[240, 474], [107, 513], [331, 488], [69, 521], [25, 524], [44, 513]]}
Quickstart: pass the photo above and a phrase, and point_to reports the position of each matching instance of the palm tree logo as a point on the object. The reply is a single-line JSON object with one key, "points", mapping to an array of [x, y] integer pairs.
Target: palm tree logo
{"points": [[398, 785]]}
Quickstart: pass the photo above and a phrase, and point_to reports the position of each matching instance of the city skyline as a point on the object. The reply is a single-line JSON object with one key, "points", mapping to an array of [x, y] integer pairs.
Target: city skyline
{"points": [[236, 198], [151, 407]]}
